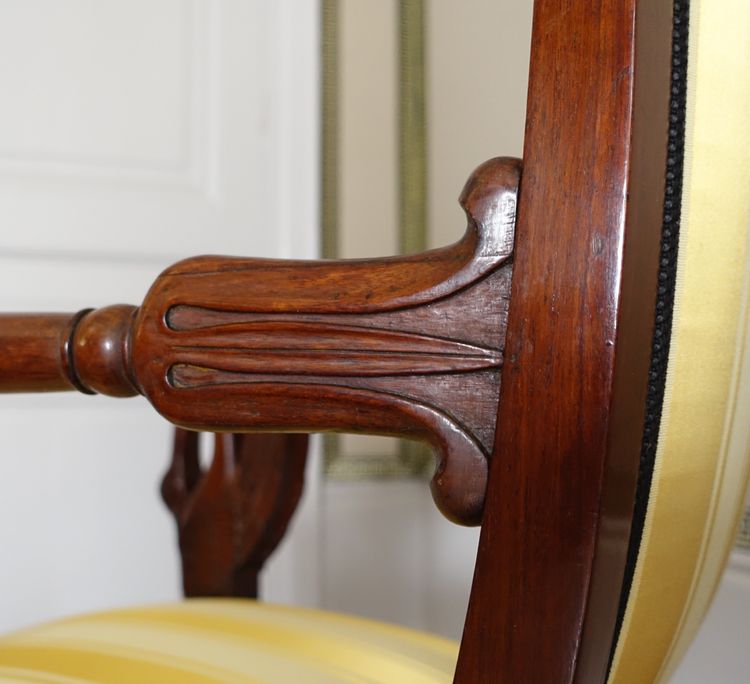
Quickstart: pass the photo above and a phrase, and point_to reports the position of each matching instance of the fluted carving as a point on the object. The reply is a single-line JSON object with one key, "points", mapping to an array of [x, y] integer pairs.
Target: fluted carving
{"points": [[406, 346]]}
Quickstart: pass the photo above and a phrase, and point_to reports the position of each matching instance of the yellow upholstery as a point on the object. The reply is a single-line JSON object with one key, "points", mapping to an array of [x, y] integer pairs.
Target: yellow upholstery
{"points": [[702, 457], [224, 640]]}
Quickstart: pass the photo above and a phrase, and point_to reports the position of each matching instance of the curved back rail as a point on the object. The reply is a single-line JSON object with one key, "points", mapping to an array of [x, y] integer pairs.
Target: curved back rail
{"points": [[560, 501]]}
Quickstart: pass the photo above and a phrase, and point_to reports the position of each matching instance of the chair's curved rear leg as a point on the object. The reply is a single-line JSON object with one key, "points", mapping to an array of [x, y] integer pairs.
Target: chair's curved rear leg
{"points": [[232, 515]]}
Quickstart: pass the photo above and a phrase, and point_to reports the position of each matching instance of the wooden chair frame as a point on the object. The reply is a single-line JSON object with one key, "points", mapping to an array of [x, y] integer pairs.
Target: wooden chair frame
{"points": [[557, 506]]}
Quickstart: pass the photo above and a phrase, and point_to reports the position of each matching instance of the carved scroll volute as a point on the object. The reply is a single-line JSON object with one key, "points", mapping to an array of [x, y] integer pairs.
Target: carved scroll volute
{"points": [[406, 346]]}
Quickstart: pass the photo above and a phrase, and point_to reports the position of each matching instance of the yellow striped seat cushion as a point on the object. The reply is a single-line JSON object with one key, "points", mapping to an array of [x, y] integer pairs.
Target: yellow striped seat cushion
{"points": [[223, 640]]}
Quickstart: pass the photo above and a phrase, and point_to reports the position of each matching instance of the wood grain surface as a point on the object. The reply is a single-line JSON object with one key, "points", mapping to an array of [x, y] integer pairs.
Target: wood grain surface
{"points": [[560, 496], [405, 346], [232, 515], [414, 347]]}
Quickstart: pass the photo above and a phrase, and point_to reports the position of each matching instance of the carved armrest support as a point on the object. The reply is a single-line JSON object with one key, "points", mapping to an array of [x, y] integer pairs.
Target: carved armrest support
{"points": [[405, 346], [232, 515]]}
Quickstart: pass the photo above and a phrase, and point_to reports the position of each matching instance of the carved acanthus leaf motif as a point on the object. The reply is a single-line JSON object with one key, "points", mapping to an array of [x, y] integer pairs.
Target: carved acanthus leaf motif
{"points": [[406, 346], [300, 347]]}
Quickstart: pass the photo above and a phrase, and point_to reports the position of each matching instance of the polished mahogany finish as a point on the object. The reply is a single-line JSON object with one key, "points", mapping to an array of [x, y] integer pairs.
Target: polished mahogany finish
{"points": [[561, 490], [34, 352], [405, 346], [100, 353], [87, 351], [232, 516], [413, 346]]}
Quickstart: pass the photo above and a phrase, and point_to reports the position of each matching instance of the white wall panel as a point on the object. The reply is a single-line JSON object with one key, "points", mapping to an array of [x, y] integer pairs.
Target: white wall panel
{"points": [[147, 128], [133, 133], [389, 554], [82, 523], [97, 86], [719, 652]]}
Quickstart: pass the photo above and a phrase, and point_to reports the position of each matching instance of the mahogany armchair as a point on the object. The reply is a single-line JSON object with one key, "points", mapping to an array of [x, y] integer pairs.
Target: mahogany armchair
{"points": [[604, 280]]}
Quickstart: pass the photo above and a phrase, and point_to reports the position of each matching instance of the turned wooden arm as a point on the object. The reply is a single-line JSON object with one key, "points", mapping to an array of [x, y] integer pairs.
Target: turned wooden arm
{"points": [[88, 351], [405, 346]]}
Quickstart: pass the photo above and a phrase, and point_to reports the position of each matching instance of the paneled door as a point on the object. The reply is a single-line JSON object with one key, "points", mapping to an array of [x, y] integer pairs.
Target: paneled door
{"points": [[134, 133]]}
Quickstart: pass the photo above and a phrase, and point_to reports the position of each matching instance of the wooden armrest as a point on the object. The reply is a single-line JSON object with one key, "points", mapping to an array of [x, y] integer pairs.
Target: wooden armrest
{"points": [[88, 351], [405, 346]]}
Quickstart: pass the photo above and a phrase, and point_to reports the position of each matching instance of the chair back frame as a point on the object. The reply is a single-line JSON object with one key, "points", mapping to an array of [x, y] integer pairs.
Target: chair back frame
{"points": [[560, 498]]}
